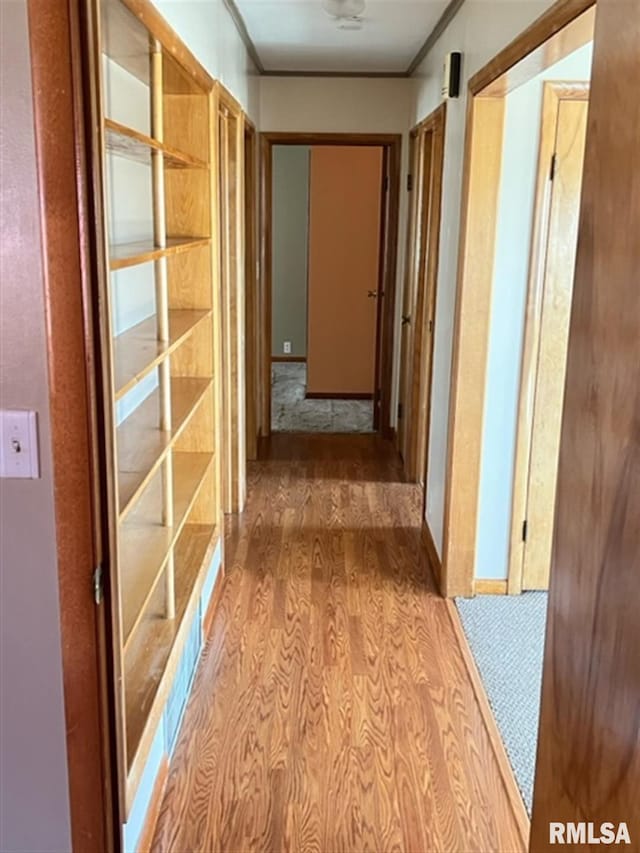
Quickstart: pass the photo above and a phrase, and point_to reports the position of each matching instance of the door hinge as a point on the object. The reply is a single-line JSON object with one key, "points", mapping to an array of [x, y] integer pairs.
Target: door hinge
{"points": [[524, 530], [552, 168], [386, 183], [430, 326], [409, 182], [399, 411], [98, 584]]}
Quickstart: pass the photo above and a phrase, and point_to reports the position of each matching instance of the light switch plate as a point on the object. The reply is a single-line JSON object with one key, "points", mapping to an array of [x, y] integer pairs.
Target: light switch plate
{"points": [[287, 347], [19, 445]]}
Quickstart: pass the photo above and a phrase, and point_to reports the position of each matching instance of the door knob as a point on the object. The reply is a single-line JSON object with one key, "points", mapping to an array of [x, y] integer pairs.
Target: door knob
{"points": [[372, 294]]}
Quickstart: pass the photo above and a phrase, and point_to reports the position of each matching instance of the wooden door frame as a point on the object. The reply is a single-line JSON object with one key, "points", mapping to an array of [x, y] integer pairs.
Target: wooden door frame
{"points": [[251, 231], [232, 283], [423, 263], [563, 28], [553, 93], [392, 145], [60, 96]]}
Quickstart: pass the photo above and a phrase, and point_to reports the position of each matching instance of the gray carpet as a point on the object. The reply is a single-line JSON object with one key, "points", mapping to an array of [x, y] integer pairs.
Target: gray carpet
{"points": [[292, 412], [506, 636]]}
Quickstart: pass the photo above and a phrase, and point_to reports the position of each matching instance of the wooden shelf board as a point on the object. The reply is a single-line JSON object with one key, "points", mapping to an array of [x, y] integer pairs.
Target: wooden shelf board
{"points": [[125, 39], [142, 445], [122, 255], [126, 142], [145, 544], [155, 651], [137, 351]]}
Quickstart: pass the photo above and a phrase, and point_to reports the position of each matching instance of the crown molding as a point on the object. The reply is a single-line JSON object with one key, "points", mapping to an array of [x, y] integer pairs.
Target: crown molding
{"points": [[443, 22], [352, 74], [243, 32]]}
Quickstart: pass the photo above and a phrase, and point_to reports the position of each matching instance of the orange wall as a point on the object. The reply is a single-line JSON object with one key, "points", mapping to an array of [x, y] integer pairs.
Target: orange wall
{"points": [[344, 237]]}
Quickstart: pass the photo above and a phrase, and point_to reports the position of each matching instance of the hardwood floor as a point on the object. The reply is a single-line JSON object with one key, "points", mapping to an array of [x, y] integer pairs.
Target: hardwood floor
{"points": [[332, 710]]}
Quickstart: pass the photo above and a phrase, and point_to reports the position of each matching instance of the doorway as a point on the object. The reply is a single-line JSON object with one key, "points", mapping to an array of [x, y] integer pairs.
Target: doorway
{"points": [[419, 301], [330, 203], [524, 172]]}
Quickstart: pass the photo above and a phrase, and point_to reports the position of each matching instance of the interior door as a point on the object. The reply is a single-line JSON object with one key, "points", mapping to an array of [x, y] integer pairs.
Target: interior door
{"points": [[344, 269], [563, 211], [409, 295]]}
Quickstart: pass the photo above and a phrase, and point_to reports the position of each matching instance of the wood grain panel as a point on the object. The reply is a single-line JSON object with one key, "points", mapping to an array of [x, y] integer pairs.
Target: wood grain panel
{"points": [[589, 754], [554, 334], [333, 708]]}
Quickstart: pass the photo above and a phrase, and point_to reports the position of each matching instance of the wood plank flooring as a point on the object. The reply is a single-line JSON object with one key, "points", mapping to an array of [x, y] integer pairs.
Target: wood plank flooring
{"points": [[332, 710]]}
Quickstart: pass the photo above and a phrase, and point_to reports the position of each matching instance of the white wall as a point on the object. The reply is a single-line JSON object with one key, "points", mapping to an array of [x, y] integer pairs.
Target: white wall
{"points": [[34, 798], [508, 307], [346, 105], [209, 32], [290, 248], [479, 30]]}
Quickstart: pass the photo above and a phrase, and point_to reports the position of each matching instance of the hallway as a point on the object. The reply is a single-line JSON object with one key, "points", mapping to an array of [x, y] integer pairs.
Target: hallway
{"points": [[332, 709]]}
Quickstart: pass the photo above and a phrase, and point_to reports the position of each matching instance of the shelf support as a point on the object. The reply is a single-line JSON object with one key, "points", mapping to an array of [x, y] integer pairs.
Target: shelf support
{"points": [[162, 308]]}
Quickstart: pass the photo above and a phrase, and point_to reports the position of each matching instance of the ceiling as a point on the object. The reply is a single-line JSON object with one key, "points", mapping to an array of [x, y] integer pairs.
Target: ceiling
{"points": [[298, 35]]}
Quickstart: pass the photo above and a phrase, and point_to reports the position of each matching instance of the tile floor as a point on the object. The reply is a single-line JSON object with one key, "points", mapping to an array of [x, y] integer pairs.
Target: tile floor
{"points": [[292, 412]]}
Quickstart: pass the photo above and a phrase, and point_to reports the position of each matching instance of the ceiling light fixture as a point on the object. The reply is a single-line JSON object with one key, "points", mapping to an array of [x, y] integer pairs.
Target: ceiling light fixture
{"points": [[346, 12]]}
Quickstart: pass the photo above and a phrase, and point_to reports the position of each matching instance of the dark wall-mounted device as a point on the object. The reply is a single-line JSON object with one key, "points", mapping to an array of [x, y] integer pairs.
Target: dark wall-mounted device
{"points": [[451, 81]]}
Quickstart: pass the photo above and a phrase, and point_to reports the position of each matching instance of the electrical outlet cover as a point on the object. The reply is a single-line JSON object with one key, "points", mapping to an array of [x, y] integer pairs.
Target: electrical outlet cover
{"points": [[287, 348]]}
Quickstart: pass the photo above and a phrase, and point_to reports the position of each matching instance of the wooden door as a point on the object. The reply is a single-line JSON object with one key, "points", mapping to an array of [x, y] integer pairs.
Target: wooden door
{"points": [[419, 307], [344, 269], [560, 221], [412, 256], [588, 761]]}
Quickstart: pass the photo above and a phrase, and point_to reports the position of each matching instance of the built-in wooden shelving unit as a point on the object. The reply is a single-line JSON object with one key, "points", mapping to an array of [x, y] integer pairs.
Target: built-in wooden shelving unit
{"points": [[160, 340]]}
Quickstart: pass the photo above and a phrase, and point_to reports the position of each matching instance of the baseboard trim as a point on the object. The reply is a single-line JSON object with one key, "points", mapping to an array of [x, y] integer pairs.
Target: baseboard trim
{"points": [[336, 395], [289, 359], [216, 595], [487, 586], [153, 812], [432, 553], [512, 791]]}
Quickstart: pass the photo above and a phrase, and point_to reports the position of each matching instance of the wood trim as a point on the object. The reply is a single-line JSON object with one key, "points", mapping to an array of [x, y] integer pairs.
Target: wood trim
{"points": [[265, 307], [483, 164], [212, 607], [544, 28], [145, 844], [426, 537], [243, 32], [301, 138], [288, 359], [64, 187], [336, 395], [507, 777], [450, 11], [251, 230], [588, 761], [487, 586], [553, 92], [393, 148], [367, 75]]}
